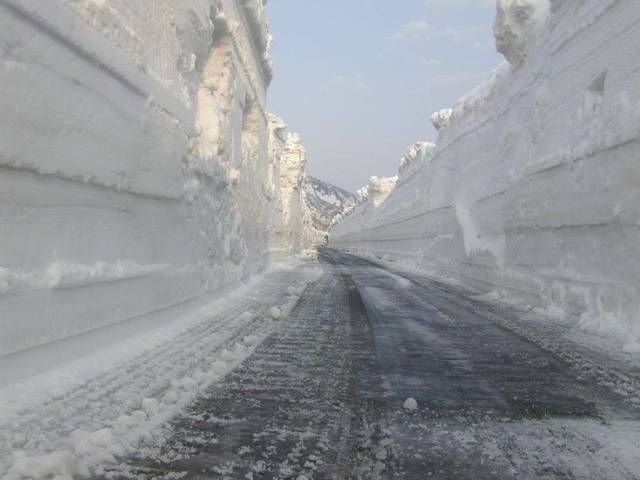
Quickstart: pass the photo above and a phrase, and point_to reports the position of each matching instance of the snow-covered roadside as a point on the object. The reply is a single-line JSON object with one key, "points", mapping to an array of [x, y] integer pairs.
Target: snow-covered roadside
{"points": [[67, 422]]}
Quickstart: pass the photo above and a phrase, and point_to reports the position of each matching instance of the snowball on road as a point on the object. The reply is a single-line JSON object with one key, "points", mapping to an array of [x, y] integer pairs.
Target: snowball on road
{"points": [[410, 404], [275, 313]]}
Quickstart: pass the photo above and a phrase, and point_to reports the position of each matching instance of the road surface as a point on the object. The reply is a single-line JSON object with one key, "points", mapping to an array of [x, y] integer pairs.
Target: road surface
{"points": [[323, 396]]}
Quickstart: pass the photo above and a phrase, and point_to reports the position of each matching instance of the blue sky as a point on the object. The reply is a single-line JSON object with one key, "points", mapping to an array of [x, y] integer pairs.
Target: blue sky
{"points": [[359, 79]]}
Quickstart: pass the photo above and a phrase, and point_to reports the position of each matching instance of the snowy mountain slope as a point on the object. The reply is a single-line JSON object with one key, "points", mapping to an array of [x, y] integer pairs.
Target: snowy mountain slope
{"points": [[533, 190], [326, 202], [291, 232]]}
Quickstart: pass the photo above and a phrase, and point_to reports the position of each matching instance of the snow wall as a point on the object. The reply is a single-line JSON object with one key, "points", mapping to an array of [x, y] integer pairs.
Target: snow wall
{"points": [[307, 207], [135, 178], [293, 231], [533, 191], [327, 203]]}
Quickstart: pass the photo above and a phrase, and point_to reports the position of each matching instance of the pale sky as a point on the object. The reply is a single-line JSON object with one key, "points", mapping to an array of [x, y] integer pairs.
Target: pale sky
{"points": [[359, 79]]}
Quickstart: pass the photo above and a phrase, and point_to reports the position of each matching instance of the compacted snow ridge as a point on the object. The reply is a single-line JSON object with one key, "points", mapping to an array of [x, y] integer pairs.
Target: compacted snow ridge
{"points": [[410, 404], [531, 193]]}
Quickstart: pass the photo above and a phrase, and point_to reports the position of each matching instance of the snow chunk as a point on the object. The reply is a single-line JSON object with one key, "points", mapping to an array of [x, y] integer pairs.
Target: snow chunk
{"points": [[441, 118], [362, 194], [410, 404], [251, 340], [517, 21], [275, 313], [379, 189], [58, 465]]}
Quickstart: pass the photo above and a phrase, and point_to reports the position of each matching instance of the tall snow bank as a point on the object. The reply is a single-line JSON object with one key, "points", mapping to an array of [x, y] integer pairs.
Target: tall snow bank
{"points": [[293, 229], [133, 161], [304, 207], [533, 191]]}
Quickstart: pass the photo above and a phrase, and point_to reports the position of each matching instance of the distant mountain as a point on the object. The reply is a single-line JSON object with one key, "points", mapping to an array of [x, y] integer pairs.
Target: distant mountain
{"points": [[326, 202]]}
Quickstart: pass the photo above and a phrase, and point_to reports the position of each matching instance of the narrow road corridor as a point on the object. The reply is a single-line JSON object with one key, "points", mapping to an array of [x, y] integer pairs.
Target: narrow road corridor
{"points": [[323, 396]]}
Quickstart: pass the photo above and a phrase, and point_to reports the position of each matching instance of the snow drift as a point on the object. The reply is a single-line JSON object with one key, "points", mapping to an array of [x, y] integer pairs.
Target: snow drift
{"points": [[533, 190]]}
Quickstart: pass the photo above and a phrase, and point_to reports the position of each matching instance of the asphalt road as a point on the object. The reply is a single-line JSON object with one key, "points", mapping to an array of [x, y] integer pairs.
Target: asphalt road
{"points": [[323, 396]]}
